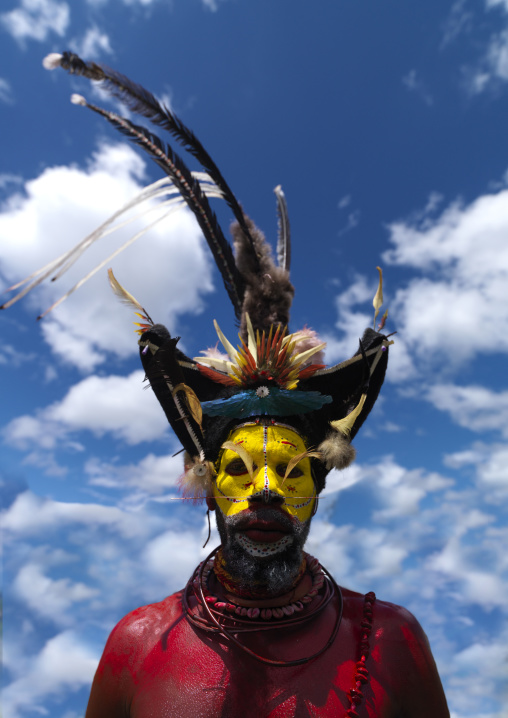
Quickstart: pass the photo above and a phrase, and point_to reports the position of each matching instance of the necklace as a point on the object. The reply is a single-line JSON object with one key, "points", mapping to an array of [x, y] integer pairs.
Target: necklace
{"points": [[229, 622], [241, 607], [226, 622]]}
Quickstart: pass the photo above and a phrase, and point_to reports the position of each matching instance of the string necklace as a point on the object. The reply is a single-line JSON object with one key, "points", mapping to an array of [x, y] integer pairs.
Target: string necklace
{"points": [[227, 621], [223, 618]]}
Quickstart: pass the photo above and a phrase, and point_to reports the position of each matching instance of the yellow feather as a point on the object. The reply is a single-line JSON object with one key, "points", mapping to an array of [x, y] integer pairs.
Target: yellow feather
{"points": [[296, 460], [243, 454], [192, 401], [344, 426], [127, 298], [378, 299]]}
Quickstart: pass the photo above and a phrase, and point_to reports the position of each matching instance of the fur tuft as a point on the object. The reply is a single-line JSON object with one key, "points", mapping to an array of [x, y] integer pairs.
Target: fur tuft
{"points": [[307, 338], [268, 291], [336, 451], [197, 480], [214, 353], [52, 61]]}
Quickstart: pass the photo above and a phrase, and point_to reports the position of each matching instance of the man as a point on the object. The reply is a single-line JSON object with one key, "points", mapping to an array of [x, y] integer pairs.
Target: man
{"points": [[215, 650], [261, 629]]}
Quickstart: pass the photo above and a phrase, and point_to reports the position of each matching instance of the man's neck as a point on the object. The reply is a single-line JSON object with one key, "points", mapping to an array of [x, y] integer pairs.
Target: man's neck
{"points": [[234, 589]]}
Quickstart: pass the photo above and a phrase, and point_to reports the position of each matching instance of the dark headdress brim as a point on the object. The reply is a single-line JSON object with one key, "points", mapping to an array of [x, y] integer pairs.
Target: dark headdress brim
{"points": [[166, 368]]}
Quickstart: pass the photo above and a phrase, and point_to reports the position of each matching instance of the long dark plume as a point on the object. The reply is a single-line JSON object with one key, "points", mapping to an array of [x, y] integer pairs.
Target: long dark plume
{"points": [[284, 237], [144, 103], [191, 192]]}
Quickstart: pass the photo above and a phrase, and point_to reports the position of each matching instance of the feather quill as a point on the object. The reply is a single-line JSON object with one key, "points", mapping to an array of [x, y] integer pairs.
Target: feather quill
{"points": [[296, 460], [126, 298], [191, 191], [144, 103], [243, 454], [284, 236], [377, 302]]}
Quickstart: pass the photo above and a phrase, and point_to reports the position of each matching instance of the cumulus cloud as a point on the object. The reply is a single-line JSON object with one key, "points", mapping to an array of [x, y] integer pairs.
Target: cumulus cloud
{"points": [[64, 663], [112, 404], [355, 313], [153, 475], [169, 555], [36, 19], [50, 598], [414, 84], [457, 310], [493, 67], [490, 465], [473, 407], [31, 515], [93, 43], [5, 91], [477, 671], [59, 208], [458, 22]]}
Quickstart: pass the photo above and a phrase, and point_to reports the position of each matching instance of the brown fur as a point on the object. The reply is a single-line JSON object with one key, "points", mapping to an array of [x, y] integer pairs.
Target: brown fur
{"points": [[336, 451], [268, 291], [193, 486]]}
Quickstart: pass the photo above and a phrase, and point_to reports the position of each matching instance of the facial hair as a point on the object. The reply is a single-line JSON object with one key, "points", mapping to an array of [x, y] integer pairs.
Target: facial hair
{"points": [[276, 572]]}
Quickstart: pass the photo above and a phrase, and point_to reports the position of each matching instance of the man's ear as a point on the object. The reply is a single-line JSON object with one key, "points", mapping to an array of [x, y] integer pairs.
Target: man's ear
{"points": [[211, 503]]}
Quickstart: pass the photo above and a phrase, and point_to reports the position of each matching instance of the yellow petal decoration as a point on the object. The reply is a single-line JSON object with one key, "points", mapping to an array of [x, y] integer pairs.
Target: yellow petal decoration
{"points": [[127, 298], [344, 426], [378, 299], [192, 402], [243, 454], [296, 460]]}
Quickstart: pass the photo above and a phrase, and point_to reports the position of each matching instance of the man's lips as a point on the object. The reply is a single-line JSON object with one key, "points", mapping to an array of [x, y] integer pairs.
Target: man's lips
{"points": [[263, 531]]}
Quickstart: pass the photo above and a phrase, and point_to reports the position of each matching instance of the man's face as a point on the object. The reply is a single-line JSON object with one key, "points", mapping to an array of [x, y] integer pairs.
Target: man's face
{"points": [[270, 448], [264, 519]]}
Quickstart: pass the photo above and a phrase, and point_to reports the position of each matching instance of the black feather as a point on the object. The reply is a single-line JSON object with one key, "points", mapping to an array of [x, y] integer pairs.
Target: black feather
{"points": [[284, 236], [268, 291], [191, 192], [145, 103]]}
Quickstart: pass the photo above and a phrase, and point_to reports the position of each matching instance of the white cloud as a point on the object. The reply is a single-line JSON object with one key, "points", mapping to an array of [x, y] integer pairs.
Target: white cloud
{"points": [[493, 68], [458, 310], [64, 663], [93, 43], [355, 313], [490, 462], [153, 474], [113, 404], [353, 220], [169, 556], [415, 85], [36, 19], [458, 21], [344, 201], [31, 515], [5, 91], [473, 407], [60, 208], [48, 597]]}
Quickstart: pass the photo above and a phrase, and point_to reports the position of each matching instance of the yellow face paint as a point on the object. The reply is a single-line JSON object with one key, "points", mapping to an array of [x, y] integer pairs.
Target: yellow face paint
{"points": [[270, 448]]}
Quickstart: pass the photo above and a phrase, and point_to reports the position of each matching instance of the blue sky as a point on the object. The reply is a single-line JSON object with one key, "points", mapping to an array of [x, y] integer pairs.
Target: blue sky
{"points": [[385, 123]]}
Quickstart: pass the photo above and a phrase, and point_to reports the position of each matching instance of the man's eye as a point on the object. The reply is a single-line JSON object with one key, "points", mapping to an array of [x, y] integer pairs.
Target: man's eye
{"points": [[236, 468], [293, 474]]}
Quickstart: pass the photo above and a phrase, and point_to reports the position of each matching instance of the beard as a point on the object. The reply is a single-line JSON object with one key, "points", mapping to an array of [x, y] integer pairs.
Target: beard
{"points": [[275, 572]]}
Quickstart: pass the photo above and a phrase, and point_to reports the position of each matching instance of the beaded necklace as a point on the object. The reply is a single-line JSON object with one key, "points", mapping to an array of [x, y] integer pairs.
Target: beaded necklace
{"points": [[217, 565], [224, 618]]}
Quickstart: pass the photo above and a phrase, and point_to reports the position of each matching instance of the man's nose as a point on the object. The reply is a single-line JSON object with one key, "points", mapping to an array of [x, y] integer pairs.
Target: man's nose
{"points": [[266, 496], [267, 489]]}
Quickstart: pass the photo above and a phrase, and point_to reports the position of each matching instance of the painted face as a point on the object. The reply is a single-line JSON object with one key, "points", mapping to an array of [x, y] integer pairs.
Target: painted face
{"points": [[270, 449]]}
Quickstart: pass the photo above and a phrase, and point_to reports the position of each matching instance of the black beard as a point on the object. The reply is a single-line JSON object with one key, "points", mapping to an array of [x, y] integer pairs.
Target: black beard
{"points": [[276, 573]]}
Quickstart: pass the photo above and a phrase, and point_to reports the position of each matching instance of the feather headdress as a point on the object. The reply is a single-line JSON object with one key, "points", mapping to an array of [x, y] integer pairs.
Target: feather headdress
{"points": [[271, 374]]}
